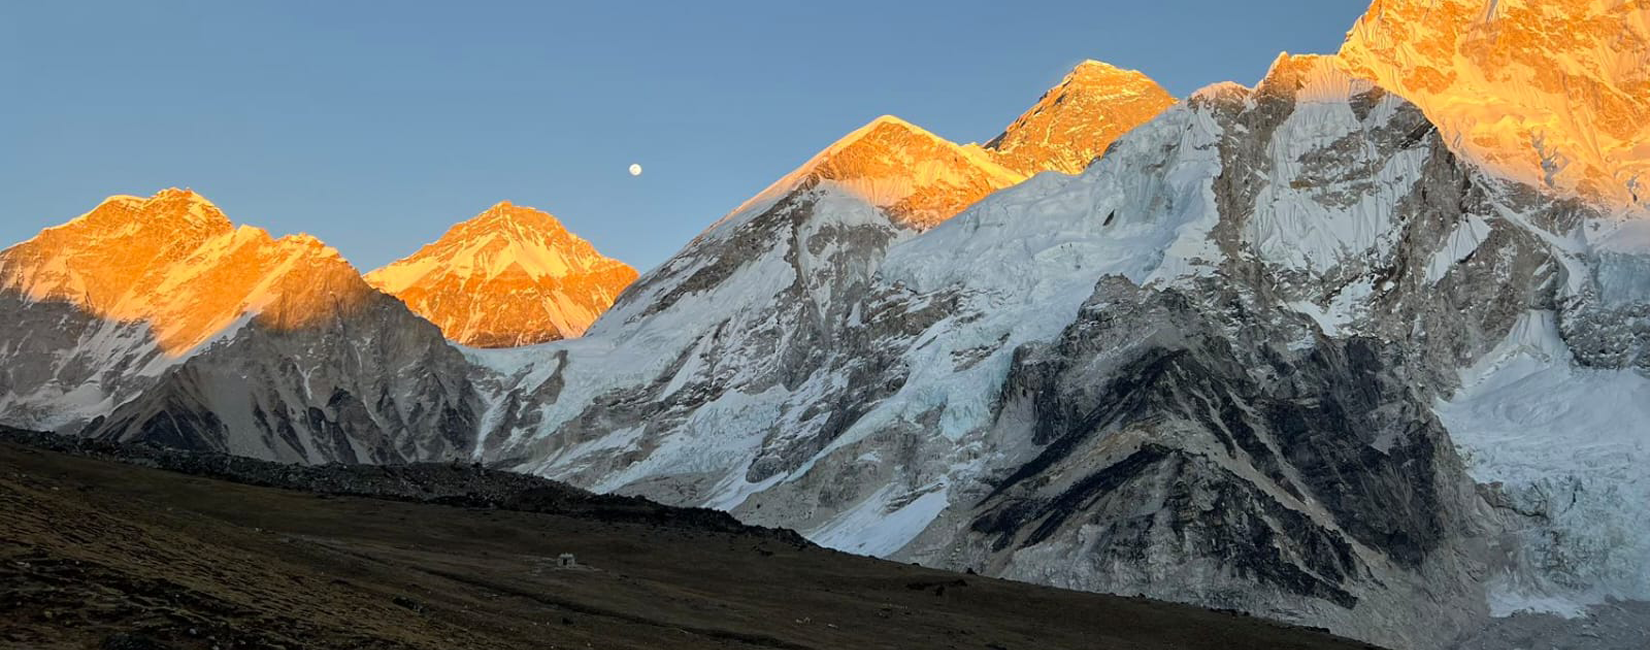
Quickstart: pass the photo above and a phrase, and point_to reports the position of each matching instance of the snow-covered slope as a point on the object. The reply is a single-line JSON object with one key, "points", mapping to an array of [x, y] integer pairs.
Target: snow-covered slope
{"points": [[1568, 447], [1552, 94], [1205, 369], [511, 276], [753, 301], [158, 319]]}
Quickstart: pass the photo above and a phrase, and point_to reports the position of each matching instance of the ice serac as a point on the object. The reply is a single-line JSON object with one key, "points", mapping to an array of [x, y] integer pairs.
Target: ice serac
{"points": [[1553, 93], [1076, 120], [511, 276], [159, 319]]}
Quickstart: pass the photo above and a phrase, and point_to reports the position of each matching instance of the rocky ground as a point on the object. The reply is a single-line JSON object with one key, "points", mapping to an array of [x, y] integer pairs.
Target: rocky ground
{"points": [[103, 554]]}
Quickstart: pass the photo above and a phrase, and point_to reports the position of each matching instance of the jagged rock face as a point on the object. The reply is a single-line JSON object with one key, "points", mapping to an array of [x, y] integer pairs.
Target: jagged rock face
{"points": [[512, 276], [1553, 94], [158, 319], [1075, 121], [373, 385], [1206, 369]]}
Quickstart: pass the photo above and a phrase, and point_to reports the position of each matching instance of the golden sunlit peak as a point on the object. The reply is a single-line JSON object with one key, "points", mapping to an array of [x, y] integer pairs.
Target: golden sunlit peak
{"points": [[505, 213], [171, 213], [176, 263], [510, 276], [311, 243], [1075, 121], [895, 120], [1105, 75], [882, 124], [1091, 67]]}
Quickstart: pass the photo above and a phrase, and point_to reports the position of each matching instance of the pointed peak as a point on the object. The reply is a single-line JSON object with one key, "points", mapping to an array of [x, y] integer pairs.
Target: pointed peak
{"points": [[1092, 64], [512, 275], [884, 148], [880, 129], [505, 215], [1106, 77], [1075, 121], [1221, 91], [1092, 69], [304, 240], [894, 120], [1309, 77], [1287, 63], [919, 177]]}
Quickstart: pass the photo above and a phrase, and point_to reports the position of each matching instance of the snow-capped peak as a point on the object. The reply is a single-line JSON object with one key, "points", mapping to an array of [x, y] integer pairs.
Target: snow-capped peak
{"points": [[1074, 122], [176, 263], [918, 178], [510, 276]]}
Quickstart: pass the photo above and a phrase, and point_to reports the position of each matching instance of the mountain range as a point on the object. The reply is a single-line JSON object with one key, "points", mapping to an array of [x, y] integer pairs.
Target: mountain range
{"points": [[1364, 346]]}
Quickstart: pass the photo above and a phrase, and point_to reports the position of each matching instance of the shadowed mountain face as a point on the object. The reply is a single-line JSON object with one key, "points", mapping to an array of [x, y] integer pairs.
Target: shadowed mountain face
{"points": [[100, 554]]}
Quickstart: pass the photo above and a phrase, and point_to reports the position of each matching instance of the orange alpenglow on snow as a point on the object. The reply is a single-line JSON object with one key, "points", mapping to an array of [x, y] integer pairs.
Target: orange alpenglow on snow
{"points": [[918, 178], [921, 179], [1552, 93], [511, 276], [174, 262], [1075, 121]]}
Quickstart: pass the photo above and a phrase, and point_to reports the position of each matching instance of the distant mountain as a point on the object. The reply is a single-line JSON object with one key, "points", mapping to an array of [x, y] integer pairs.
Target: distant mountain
{"points": [[919, 178], [514, 276], [158, 319], [511, 276], [1075, 121]]}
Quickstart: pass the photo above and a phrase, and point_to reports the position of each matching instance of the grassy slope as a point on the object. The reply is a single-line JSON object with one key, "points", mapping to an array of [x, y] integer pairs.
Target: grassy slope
{"points": [[97, 553]]}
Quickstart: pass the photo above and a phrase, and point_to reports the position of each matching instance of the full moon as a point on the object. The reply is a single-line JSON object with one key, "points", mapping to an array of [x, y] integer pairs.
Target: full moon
{"points": [[635, 169]]}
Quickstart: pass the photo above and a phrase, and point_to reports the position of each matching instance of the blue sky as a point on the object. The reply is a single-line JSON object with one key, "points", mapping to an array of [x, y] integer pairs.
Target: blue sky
{"points": [[375, 126]]}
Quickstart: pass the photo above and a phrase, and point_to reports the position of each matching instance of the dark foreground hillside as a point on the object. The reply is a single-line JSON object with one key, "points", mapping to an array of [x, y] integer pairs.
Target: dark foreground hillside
{"points": [[103, 554]]}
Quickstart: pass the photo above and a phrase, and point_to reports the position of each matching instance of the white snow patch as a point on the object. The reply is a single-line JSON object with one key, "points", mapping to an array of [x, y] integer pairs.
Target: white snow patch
{"points": [[1461, 244], [1572, 444], [871, 528]]}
